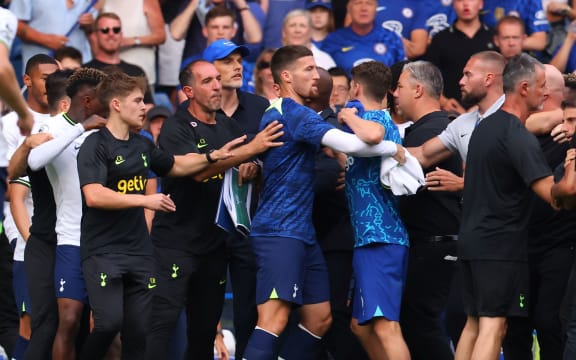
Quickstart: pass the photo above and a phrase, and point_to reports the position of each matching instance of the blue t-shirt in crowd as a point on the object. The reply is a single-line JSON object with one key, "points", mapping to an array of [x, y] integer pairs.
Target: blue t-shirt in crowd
{"points": [[401, 16], [285, 207], [349, 49], [373, 209], [530, 11], [439, 15]]}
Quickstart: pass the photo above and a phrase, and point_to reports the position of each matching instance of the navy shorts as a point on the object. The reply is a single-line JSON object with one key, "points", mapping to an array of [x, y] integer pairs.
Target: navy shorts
{"points": [[68, 278], [20, 284], [380, 272], [290, 270]]}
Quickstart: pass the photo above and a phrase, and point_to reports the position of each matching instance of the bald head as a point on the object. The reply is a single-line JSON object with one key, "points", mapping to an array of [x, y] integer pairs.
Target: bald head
{"points": [[321, 100], [555, 84]]}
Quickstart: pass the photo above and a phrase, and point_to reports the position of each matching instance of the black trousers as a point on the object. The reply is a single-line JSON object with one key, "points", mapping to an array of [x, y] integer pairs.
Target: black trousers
{"points": [[196, 282], [39, 263], [120, 288], [242, 268], [8, 312], [549, 274], [425, 297]]}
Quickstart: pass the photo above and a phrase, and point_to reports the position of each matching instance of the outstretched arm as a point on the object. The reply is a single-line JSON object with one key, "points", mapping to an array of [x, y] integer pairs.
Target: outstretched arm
{"points": [[352, 145], [18, 161]]}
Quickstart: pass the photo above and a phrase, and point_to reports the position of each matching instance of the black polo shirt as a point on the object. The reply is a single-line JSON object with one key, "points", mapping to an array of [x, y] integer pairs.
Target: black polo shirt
{"points": [[549, 228], [330, 214], [431, 213], [191, 227], [504, 159], [249, 112], [451, 49]]}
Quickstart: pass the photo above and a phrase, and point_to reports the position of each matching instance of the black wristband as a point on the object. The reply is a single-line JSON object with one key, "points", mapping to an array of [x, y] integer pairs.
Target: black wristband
{"points": [[209, 158]]}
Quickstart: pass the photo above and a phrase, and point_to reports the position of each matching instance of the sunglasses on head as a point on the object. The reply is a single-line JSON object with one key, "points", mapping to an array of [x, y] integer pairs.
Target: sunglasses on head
{"points": [[115, 30], [263, 65]]}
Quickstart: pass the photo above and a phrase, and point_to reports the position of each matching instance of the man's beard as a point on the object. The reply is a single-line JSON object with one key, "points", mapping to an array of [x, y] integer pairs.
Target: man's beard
{"points": [[471, 99]]}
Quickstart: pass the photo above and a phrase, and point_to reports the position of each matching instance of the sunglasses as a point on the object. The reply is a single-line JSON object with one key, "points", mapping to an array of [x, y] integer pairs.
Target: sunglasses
{"points": [[115, 30], [263, 65]]}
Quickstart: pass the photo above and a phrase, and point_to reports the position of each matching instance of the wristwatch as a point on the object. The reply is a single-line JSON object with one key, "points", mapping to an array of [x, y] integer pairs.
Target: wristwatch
{"points": [[137, 41]]}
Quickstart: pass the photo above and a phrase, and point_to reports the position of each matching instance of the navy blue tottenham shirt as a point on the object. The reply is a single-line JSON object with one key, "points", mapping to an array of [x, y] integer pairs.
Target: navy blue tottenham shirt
{"points": [[285, 208]]}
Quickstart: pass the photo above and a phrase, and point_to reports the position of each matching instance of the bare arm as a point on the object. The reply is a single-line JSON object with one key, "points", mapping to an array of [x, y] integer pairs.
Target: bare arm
{"points": [[564, 191], [431, 152], [416, 45], [155, 20], [179, 26], [252, 31], [368, 131], [31, 35], [10, 92], [101, 197], [542, 187], [264, 140], [561, 58], [18, 209], [151, 188], [535, 42], [543, 122]]}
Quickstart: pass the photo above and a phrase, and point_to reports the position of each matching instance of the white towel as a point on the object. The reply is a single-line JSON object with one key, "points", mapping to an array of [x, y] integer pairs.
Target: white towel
{"points": [[401, 179]]}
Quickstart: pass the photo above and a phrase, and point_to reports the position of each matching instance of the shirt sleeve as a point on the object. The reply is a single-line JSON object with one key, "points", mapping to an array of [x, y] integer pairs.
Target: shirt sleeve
{"points": [[22, 9], [161, 163], [526, 154], [8, 27], [92, 162], [45, 153], [534, 16], [449, 136], [307, 126]]}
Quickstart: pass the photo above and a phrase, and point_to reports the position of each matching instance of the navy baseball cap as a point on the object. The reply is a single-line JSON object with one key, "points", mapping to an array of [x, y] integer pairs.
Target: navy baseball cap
{"points": [[220, 49], [327, 4]]}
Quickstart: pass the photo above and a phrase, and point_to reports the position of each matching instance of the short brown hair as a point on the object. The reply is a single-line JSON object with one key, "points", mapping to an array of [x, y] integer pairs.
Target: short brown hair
{"points": [[118, 84], [108, 15], [375, 78], [219, 11], [510, 19], [284, 57]]}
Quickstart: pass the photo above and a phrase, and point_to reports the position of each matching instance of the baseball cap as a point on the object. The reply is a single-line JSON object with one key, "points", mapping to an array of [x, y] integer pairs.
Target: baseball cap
{"points": [[220, 49], [327, 4], [158, 111]]}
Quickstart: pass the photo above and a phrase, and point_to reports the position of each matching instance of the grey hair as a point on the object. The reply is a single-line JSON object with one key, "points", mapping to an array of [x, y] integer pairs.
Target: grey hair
{"points": [[520, 68], [298, 12], [428, 75]]}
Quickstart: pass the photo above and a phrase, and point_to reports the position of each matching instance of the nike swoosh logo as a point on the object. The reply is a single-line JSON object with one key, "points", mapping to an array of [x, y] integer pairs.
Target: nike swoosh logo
{"points": [[150, 286], [348, 48], [222, 282], [77, 146], [119, 161], [462, 135], [200, 146], [450, 258]]}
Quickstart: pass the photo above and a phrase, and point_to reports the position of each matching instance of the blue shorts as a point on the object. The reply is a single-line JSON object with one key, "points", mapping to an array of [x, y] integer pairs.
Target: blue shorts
{"points": [[68, 278], [20, 285], [290, 270], [380, 271]]}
